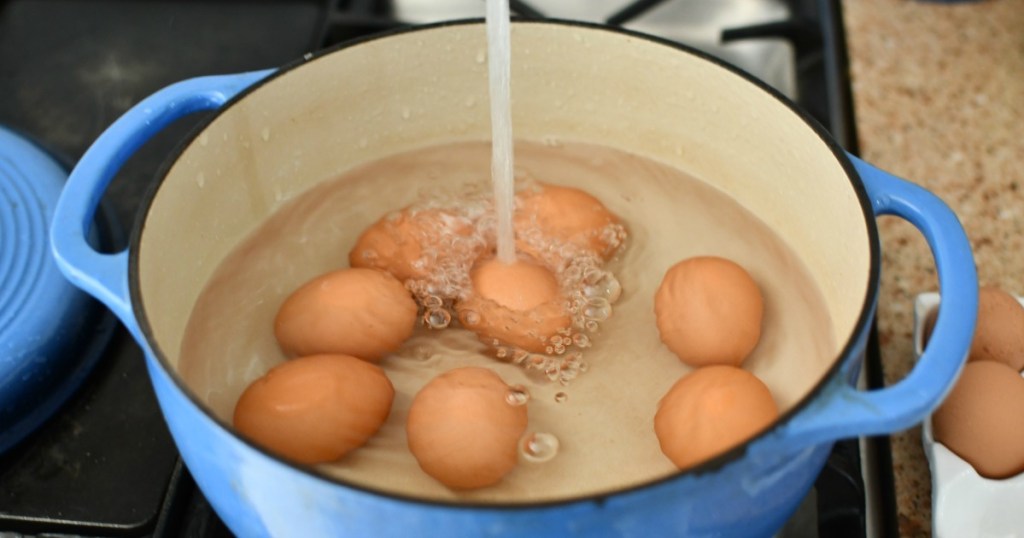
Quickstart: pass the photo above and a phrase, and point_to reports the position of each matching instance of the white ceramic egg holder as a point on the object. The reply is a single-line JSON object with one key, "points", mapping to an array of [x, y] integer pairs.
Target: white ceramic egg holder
{"points": [[963, 502]]}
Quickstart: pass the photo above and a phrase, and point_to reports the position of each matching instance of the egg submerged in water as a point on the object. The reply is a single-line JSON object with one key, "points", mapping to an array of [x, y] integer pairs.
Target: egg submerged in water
{"points": [[711, 410], [315, 409], [407, 244], [554, 223], [464, 428], [709, 311], [517, 304], [361, 312]]}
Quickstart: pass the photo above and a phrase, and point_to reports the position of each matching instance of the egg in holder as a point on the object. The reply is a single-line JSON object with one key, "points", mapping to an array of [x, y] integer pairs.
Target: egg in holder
{"points": [[965, 503]]}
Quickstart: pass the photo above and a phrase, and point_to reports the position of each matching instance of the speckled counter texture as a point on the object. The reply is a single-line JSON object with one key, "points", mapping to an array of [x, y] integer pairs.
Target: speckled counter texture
{"points": [[939, 96]]}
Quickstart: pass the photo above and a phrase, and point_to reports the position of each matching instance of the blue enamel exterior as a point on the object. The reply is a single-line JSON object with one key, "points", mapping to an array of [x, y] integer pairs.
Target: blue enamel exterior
{"points": [[900, 406], [50, 331], [751, 495], [105, 275]]}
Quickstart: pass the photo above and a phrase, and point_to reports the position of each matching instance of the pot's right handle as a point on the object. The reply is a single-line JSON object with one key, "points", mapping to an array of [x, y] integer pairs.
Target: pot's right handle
{"points": [[848, 412], [105, 276]]}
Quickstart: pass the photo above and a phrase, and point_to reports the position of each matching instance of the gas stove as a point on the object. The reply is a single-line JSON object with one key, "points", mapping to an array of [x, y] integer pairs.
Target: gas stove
{"points": [[104, 463]]}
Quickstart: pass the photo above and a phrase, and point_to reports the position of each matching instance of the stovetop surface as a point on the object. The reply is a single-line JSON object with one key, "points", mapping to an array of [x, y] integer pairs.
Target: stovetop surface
{"points": [[106, 465]]}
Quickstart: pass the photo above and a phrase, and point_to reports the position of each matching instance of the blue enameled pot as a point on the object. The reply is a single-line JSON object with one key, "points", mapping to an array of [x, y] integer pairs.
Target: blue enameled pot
{"points": [[578, 82]]}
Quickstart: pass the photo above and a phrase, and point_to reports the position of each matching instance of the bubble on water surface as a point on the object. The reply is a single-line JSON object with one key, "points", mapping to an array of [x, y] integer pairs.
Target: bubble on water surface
{"points": [[437, 318], [471, 317], [517, 395], [539, 447], [597, 309]]}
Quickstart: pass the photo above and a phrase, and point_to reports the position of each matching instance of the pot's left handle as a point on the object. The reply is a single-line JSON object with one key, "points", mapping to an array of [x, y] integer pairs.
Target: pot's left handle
{"points": [[105, 276], [844, 411]]}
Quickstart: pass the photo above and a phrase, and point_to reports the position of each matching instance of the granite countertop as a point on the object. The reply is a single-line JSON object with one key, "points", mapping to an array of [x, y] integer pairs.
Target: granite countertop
{"points": [[939, 96]]}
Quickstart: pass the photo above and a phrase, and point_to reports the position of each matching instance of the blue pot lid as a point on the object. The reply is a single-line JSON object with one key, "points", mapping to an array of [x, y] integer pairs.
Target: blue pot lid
{"points": [[48, 328]]}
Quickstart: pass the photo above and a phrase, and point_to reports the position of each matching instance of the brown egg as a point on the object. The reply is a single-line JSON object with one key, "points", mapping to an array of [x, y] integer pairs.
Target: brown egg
{"points": [[569, 216], [709, 311], [360, 312], [709, 411], [405, 244], [999, 334], [517, 304], [982, 419], [315, 409], [463, 430]]}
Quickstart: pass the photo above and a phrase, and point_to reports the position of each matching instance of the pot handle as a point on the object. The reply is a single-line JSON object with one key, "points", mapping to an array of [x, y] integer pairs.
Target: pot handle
{"points": [[846, 411], [105, 276]]}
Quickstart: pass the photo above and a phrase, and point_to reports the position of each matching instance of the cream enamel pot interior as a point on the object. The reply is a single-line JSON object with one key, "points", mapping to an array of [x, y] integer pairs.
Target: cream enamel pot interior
{"points": [[407, 90]]}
